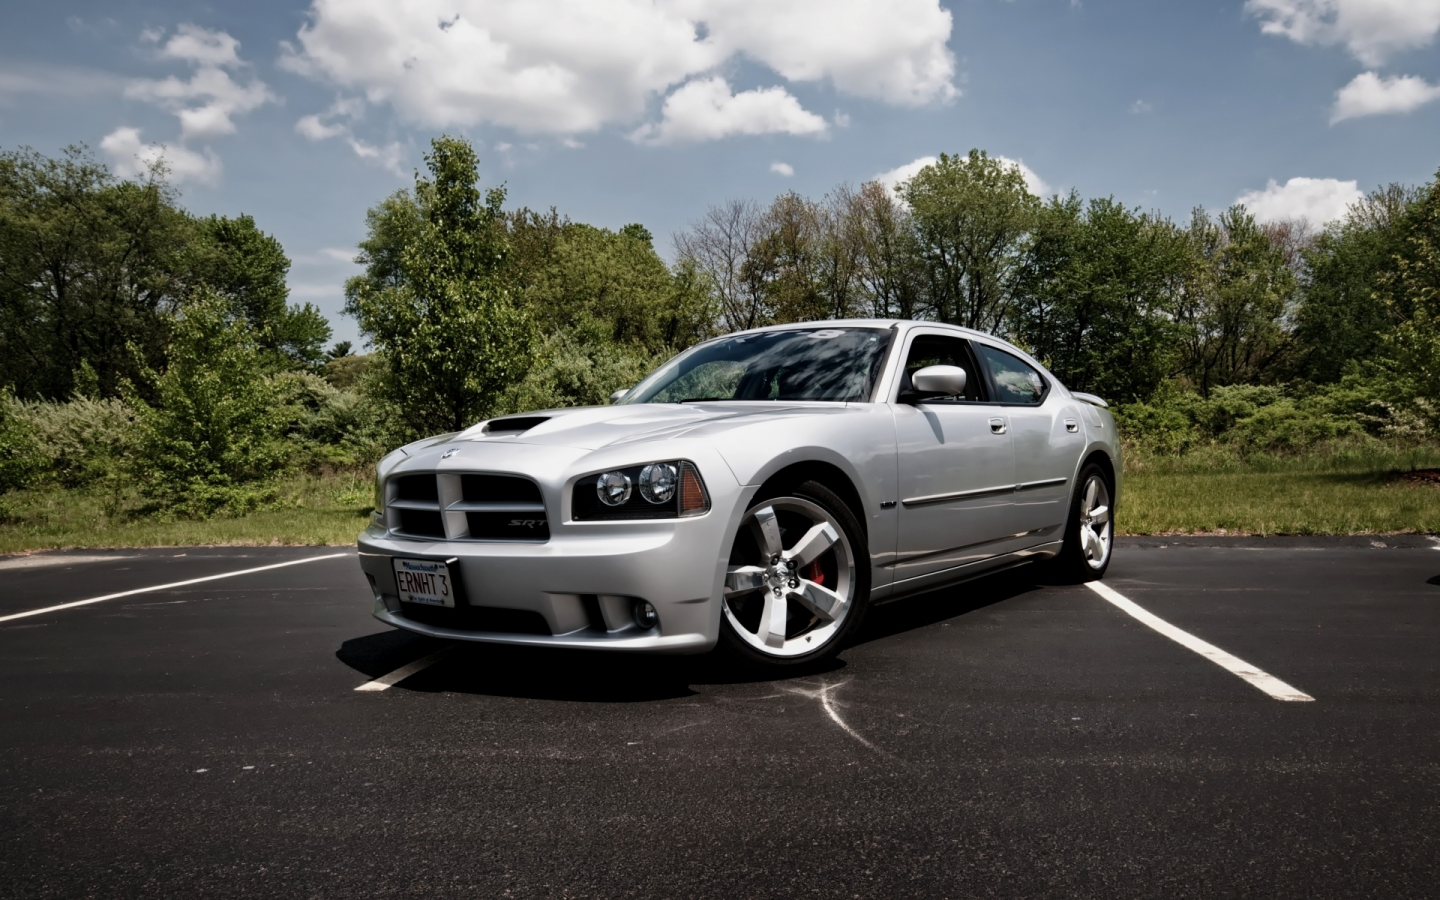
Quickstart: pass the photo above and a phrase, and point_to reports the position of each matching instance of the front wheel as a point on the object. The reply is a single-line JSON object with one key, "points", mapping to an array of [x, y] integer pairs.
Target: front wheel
{"points": [[1089, 530], [798, 579]]}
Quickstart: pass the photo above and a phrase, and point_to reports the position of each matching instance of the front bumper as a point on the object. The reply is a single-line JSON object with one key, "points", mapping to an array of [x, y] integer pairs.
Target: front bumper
{"points": [[582, 582]]}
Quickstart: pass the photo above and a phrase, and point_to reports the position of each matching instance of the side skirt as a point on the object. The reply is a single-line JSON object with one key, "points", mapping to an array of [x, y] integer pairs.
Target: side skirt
{"points": [[980, 568]]}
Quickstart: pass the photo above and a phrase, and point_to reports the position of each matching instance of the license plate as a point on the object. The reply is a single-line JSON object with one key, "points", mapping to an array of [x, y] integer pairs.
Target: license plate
{"points": [[424, 581]]}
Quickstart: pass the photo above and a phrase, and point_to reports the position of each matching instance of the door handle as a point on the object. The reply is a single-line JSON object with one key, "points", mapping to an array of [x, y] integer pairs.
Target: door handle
{"points": [[1072, 426], [998, 426]]}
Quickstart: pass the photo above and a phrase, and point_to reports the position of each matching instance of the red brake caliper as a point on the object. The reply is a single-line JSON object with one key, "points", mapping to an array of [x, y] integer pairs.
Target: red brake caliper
{"points": [[814, 573]]}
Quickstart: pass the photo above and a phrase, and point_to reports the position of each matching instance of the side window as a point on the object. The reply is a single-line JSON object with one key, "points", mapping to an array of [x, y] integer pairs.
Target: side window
{"points": [[1015, 380], [935, 350]]}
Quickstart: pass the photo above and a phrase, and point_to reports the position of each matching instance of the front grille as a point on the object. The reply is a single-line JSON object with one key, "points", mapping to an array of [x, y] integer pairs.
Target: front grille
{"points": [[477, 507], [477, 618], [422, 522]]}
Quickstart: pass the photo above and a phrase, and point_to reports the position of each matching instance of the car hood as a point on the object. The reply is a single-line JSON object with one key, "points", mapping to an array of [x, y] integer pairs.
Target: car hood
{"points": [[594, 427]]}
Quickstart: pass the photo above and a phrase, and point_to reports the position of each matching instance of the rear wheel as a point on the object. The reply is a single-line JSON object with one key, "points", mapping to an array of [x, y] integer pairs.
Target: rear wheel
{"points": [[798, 579], [1090, 529]]}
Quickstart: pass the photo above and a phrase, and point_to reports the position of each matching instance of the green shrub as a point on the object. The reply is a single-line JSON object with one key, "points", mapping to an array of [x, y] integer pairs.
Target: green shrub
{"points": [[82, 441], [576, 369], [214, 439], [1251, 419], [330, 427], [20, 457]]}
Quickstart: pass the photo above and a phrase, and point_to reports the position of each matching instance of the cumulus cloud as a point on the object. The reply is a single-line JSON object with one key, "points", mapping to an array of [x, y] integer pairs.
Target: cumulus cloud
{"points": [[900, 174], [133, 157], [707, 110], [570, 66], [337, 122], [1372, 30], [785, 170], [1315, 200], [1370, 95], [207, 103]]}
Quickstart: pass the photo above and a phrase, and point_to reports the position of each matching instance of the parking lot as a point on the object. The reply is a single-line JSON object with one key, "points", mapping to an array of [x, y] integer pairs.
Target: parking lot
{"points": [[1001, 738]]}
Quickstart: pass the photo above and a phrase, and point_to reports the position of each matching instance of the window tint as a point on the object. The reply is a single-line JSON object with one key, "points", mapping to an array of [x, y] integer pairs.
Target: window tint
{"points": [[836, 364], [934, 350], [1015, 380]]}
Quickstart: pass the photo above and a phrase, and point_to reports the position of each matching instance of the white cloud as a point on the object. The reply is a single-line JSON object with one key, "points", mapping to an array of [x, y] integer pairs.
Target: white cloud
{"points": [[132, 157], [893, 178], [572, 66], [1316, 200], [336, 122], [388, 156], [194, 44], [1370, 95], [1372, 30], [208, 101], [316, 129], [783, 169], [1140, 107], [706, 110]]}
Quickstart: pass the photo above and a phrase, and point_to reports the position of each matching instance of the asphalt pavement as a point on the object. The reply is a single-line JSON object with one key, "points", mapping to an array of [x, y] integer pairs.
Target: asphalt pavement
{"points": [[1004, 738]]}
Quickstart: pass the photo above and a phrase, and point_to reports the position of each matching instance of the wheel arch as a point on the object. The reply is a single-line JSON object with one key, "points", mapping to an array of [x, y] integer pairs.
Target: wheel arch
{"points": [[1101, 458], [828, 474]]}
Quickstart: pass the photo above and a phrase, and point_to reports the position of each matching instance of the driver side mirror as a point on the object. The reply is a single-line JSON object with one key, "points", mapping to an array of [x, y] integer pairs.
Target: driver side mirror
{"points": [[616, 397], [935, 381]]}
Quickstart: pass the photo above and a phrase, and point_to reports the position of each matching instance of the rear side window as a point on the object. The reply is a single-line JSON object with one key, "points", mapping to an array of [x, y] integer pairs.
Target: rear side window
{"points": [[1016, 381], [936, 350]]}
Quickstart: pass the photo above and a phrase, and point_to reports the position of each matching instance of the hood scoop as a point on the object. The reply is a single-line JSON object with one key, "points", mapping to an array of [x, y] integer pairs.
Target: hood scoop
{"points": [[513, 425]]}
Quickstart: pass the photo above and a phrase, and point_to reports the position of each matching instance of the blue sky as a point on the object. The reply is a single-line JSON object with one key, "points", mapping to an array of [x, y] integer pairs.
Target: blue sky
{"points": [[304, 114]]}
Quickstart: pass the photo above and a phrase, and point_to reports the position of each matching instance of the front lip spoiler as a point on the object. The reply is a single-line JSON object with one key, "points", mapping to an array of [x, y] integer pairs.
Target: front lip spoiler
{"points": [[678, 643]]}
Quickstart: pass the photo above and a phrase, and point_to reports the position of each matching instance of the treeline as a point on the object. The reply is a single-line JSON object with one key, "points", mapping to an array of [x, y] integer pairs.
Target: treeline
{"points": [[154, 354]]}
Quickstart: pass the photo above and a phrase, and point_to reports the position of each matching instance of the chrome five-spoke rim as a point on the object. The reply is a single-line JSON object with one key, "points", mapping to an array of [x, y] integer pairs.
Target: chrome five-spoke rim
{"points": [[791, 579], [1095, 525]]}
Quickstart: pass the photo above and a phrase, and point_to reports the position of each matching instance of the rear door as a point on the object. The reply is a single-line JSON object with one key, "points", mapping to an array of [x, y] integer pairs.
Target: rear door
{"points": [[1048, 443], [956, 466]]}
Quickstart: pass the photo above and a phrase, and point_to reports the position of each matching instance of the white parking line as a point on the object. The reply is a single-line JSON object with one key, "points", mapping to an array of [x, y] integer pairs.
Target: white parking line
{"points": [[1262, 680], [166, 587], [385, 682]]}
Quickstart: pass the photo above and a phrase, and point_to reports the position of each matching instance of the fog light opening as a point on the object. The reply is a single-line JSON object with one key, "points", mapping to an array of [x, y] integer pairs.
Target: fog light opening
{"points": [[645, 615]]}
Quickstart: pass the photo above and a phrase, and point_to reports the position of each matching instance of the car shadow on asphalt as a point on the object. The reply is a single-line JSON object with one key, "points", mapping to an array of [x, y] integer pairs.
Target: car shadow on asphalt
{"points": [[910, 613], [542, 673]]}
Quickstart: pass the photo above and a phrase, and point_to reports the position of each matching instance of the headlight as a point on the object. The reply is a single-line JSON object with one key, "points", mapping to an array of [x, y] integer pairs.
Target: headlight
{"points": [[613, 488], [657, 483], [668, 490]]}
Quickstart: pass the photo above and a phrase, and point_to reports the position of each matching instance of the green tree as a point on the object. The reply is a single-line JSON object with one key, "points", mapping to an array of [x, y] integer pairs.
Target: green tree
{"points": [[1342, 317], [1411, 350], [889, 269], [443, 315], [1096, 294], [1235, 302], [970, 216], [238, 260], [87, 272], [212, 437], [614, 287]]}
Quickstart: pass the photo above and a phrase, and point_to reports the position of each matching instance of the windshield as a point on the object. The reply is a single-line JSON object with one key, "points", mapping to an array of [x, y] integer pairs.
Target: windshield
{"points": [[838, 364]]}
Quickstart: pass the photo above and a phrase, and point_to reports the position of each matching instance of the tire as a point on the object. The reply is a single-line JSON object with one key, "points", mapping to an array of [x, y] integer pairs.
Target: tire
{"points": [[1089, 529], [820, 573]]}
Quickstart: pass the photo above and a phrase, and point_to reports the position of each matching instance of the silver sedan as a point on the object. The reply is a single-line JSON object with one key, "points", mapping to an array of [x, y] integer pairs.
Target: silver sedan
{"points": [[757, 492]]}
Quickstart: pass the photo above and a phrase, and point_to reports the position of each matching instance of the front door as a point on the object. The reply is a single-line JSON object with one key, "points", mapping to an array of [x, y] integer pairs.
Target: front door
{"points": [[956, 468]]}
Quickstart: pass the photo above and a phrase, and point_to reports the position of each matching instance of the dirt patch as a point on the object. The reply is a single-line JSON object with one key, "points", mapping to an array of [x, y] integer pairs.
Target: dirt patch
{"points": [[1418, 476]]}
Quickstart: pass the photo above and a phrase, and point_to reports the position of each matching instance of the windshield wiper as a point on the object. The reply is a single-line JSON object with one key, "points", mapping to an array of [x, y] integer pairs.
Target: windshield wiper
{"points": [[704, 400]]}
